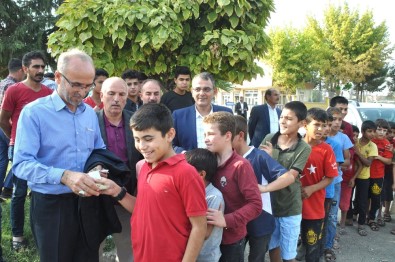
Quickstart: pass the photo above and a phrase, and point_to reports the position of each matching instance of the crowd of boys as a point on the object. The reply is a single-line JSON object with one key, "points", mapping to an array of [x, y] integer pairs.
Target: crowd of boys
{"points": [[202, 192]]}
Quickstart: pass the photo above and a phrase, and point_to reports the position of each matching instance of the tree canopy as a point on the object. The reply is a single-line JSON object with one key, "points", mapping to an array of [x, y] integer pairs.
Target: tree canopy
{"points": [[220, 36], [24, 27], [346, 47]]}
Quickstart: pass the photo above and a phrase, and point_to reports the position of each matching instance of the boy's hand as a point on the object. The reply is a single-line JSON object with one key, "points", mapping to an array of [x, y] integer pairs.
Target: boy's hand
{"points": [[306, 192], [389, 147], [216, 217], [351, 183], [268, 148]]}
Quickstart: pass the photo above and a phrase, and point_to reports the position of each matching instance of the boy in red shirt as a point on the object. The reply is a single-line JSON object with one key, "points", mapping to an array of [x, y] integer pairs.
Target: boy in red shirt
{"points": [[319, 171], [169, 214], [377, 172], [388, 184]]}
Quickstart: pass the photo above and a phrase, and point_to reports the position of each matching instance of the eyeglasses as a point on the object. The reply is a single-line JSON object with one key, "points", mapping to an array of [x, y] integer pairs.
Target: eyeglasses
{"points": [[205, 89], [78, 85]]}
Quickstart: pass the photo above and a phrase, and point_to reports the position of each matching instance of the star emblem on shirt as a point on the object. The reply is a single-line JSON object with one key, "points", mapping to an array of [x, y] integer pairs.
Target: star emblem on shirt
{"points": [[312, 169]]}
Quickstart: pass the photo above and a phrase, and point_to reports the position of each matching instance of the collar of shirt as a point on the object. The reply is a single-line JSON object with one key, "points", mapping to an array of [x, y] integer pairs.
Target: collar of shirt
{"points": [[275, 140], [248, 152], [198, 115], [59, 104], [108, 123]]}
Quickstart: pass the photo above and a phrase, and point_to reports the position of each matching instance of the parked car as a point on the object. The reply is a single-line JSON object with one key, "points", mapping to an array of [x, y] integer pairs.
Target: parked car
{"points": [[359, 112]]}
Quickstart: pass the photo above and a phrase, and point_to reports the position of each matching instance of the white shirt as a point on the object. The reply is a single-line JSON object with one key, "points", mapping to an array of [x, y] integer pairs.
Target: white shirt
{"points": [[273, 117], [199, 129]]}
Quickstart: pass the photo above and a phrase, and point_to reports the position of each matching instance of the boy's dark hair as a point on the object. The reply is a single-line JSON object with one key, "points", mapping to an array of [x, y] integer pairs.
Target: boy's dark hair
{"points": [[298, 108], [241, 126], [181, 70], [355, 129], [317, 114], [368, 124], [392, 124], [225, 121], [28, 57], [338, 100], [203, 160], [131, 74], [205, 76], [333, 110], [101, 72], [152, 115], [14, 65], [49, 75], [382, 123]]}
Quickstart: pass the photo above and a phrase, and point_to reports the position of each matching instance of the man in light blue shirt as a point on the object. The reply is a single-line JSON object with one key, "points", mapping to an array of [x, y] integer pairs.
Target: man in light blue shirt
{"points": [[55, 136]]}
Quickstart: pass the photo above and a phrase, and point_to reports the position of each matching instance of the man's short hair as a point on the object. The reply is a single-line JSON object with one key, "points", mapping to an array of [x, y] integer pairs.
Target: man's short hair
{"points": [[28, 57], [298, 108], [64, 59], [181, 70], [159, 83], [225, 121], [368, 124], [317, 114], [333, 110], [382, 123], [131, 74], [152, 115], [205, 76], [241, 126], [203, 160], [338, 100], [14, 65], [101, 72], [269, 92]]}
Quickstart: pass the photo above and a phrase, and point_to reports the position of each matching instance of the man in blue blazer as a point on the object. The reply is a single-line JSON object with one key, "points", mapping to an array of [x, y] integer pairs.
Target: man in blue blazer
{"points": [[188, 120], [264, 118]]}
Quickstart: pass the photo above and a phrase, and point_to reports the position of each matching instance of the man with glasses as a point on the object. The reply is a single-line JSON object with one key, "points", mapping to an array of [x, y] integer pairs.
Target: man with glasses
{"points": [[56, 135], [188, 121], [15, 99]]}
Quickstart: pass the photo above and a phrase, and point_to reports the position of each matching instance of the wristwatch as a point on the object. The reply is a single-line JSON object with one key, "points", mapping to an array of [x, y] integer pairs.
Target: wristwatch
{"points": [[121, 194]]}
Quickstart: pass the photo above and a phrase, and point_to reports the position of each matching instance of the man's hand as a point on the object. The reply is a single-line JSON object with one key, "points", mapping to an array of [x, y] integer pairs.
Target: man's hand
{"points": [[216, 217], [80, 182], [351, 183]]}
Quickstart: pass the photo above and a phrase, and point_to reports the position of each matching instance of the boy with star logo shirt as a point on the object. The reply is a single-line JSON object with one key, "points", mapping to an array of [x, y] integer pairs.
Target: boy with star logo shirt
{"points": [[319, 171]]}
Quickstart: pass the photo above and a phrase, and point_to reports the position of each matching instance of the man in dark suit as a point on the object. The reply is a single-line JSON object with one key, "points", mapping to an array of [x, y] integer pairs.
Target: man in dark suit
{"points": [[241, 108], [264, 118], [118, 137], [188, 120]]}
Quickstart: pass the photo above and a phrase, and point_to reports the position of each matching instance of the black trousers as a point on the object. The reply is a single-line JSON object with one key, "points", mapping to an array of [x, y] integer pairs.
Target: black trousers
{"points": [[361, 199], [258, 247], [56, 229], [311, 233], [375, 187], [233, 252]]}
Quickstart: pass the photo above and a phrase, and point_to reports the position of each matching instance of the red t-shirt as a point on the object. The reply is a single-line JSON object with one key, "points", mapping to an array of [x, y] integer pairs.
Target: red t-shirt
{"points": [[377, 167], [89, 101], [16, 97], [348, 130], [321, 163], [350, 171], [168, 195], [243, 202]]}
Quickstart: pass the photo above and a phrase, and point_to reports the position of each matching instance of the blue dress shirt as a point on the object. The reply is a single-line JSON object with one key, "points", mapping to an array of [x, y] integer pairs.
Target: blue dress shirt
{"points": [[52, 139]]}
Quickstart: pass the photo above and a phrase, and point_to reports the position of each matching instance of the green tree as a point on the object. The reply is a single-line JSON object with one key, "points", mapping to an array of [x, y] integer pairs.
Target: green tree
{"points": [[353, 47], [220, 36], [24, 26]]}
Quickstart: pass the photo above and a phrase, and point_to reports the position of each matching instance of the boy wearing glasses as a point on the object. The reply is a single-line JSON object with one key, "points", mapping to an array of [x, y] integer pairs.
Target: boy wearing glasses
{"points": [[15, 99], [188, 121]]}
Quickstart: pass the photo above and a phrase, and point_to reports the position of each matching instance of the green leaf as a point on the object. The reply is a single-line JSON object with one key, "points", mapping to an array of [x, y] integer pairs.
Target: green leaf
{"points": [[212, 16], [225, 40], [85, 35], [229, 10], [139, 24], [234, 21], [238, 11]]}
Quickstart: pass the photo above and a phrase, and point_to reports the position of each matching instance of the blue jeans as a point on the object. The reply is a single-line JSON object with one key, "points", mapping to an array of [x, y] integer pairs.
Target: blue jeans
{"points": [[17, 209], [332, 221], [4, 141]]}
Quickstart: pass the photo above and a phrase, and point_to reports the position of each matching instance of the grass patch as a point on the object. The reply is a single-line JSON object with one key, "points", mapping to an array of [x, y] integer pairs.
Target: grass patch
{"points": [[28, 255]]}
